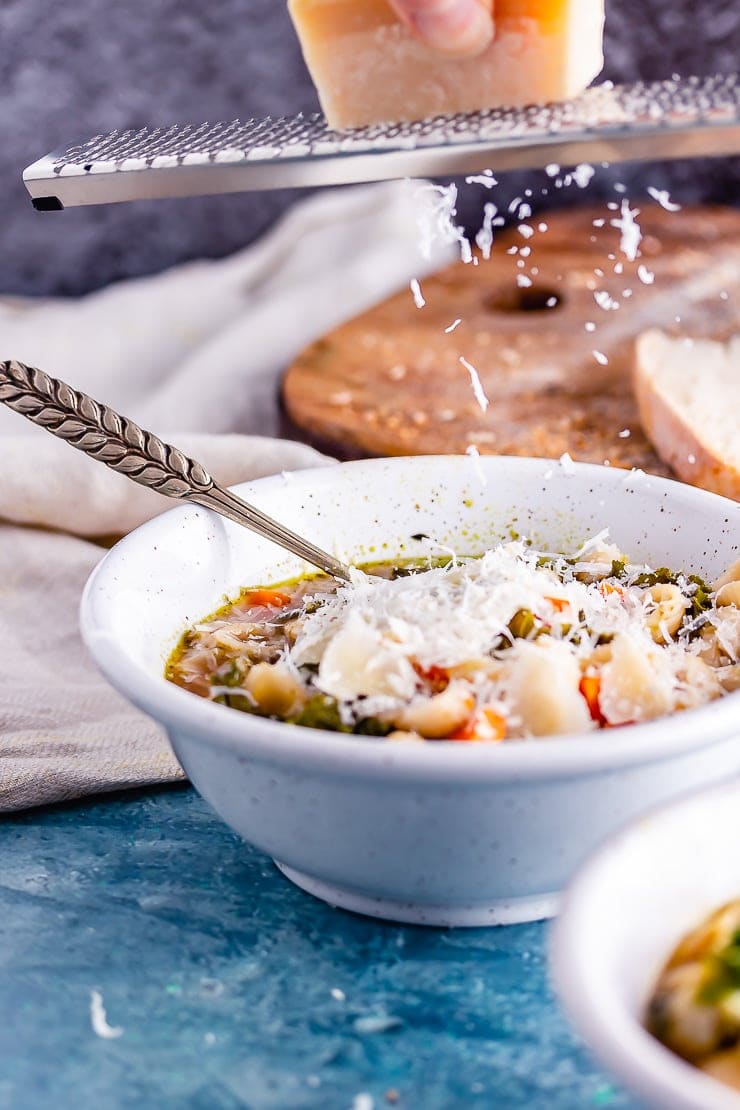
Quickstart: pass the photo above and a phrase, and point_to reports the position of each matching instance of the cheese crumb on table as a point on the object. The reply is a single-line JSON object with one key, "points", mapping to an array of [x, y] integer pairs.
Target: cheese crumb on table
{"points": [[99, 1019]]}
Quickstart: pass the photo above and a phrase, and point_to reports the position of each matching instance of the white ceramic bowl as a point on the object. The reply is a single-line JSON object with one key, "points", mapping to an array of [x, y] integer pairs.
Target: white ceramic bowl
{"points": [[440, 833], [621, 919]]}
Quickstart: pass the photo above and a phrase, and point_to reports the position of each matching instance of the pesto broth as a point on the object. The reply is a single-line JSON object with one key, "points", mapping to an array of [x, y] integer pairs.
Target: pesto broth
{"points": [[258, 627]]}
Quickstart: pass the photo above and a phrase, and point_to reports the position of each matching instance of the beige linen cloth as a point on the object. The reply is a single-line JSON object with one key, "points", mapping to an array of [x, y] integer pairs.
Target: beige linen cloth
{"points": [[193, 354]]}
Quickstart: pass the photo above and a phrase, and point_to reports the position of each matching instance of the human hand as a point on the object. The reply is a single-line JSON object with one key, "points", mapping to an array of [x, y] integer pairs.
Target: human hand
{"points": [[458, 27]]}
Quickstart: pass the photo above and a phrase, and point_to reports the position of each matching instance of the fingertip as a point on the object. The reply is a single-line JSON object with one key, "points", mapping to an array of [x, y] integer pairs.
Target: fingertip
{"points": [[462, 28]]}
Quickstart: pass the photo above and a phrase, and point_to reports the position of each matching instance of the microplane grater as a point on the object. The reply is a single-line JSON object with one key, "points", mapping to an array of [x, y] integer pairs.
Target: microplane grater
{"points": [[677, 118]]}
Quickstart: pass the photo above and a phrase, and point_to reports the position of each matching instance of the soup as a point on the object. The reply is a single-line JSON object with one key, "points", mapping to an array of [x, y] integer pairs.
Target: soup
{"points": [[513, 644]]}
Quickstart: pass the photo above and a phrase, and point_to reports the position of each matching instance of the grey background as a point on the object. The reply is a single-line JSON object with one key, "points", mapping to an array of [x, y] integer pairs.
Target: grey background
{"points": [[76, 68]]}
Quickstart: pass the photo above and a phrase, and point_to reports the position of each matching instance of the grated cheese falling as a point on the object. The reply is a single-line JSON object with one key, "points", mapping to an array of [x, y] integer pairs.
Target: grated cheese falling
{"points": [[631, 235], [436, 212], [663, 198], [474, 454], [486, 178], [484, 237], [605, 301], [478, 391], [583, 174], [417, 293], [451, 327], [647, 277]]}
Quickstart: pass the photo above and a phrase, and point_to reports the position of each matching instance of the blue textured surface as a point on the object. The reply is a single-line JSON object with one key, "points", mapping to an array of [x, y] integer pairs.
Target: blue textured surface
{"points": [[220, 974]]}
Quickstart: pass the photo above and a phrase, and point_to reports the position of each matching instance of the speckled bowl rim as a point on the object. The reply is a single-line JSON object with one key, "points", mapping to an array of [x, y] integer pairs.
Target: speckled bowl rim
{"points": [[441, 761]]}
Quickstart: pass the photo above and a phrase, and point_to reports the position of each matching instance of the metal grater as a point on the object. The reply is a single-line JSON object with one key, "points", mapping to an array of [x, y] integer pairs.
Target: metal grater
{"points": [[686, 118]]}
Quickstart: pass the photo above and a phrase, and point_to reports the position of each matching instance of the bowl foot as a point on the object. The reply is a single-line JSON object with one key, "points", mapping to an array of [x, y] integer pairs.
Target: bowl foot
{"points": [[510, 911]]}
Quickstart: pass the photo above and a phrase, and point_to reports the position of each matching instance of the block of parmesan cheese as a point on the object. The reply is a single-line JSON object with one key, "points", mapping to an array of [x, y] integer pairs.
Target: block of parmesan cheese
{"points": [[369, 68]]}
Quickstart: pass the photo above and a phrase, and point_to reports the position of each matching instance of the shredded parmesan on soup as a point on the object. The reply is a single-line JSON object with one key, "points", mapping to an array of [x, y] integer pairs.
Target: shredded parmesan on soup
{"points": [[512, 644]]}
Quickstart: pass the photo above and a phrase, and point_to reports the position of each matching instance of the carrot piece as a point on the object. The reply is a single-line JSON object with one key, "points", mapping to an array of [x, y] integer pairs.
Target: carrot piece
{"points": [[590, 688], [558, 603], [486, 724], [273, 598], [606, 588], [437, 677]]}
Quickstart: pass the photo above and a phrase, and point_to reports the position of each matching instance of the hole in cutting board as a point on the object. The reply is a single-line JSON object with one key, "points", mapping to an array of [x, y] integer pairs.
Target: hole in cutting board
{"points": [[534, 299]]}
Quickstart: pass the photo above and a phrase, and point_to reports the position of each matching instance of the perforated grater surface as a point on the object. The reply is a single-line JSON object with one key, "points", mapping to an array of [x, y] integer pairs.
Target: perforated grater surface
{"points": [[669, 119]]}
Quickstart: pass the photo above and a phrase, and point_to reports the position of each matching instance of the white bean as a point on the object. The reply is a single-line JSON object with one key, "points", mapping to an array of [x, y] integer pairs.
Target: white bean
{"points": [[440, 715], [275, 689]]}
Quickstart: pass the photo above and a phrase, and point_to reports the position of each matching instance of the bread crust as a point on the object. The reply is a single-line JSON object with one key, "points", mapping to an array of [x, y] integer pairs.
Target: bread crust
{"points": [[682, 445]]}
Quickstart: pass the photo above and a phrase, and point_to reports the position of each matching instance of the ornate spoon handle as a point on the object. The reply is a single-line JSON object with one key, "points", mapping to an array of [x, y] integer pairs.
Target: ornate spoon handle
{"points": [[140, 455]]}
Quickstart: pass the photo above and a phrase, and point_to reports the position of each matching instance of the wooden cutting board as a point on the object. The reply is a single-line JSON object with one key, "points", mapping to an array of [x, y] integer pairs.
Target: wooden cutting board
{"points": [[391, 381]]}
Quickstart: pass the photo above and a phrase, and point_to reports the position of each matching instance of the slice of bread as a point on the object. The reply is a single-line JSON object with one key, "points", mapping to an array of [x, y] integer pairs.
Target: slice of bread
{"points": [[688, 396]]}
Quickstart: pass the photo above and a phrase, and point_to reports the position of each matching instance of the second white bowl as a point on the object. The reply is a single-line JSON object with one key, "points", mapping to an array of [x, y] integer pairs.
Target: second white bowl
{"points": [[622, 918]]}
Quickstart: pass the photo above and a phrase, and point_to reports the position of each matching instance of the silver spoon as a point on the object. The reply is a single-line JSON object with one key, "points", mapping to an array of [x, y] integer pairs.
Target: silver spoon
{"points": [[143, 457]]}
